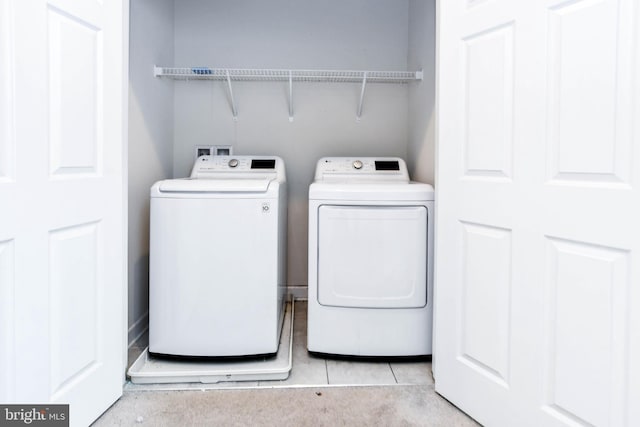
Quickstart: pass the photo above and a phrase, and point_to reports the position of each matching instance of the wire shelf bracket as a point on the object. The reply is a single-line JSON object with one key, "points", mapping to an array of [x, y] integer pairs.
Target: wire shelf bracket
{"points": [[364, 86], [234, 110], [288, 76], [290, 96]]}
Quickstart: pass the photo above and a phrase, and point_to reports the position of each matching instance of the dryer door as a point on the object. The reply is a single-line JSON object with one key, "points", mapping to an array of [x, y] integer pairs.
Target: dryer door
{"points": [[372, 256]]}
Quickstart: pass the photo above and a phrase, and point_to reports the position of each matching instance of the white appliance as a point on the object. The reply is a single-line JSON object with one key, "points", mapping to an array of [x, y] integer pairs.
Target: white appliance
{"points": [[370, 259], [218, 258]]}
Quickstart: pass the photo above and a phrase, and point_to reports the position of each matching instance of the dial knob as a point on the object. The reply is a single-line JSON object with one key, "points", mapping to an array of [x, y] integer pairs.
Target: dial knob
{"points": [[233, 163], [357, 164]]}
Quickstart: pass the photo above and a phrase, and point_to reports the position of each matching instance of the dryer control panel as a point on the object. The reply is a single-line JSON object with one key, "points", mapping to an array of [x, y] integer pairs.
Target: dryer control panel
{"points": [[362, 168]]}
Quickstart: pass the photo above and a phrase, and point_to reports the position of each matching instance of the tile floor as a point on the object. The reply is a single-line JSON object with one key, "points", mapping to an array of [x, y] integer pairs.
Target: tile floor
{"points": [[309, 370]]}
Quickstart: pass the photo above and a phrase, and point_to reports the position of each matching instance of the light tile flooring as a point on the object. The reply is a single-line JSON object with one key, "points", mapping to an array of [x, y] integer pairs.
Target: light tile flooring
{"points": [[309, 370]]}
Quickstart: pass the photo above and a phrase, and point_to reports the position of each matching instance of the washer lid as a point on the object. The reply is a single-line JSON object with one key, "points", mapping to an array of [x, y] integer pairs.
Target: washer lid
{"points": [[214, 185]]}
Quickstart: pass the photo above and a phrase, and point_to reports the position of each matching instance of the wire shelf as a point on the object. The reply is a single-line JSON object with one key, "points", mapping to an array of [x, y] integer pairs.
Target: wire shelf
{"points": [[332, 76]]}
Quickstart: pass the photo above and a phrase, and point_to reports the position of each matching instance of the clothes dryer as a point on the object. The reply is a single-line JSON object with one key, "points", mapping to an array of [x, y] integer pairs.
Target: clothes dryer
{"points": [[370, 259], [218, 258]]}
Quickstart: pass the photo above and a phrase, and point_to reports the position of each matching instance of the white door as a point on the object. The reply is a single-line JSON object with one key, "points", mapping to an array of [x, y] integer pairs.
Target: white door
{"points": [[538, 236], [62, 195]]}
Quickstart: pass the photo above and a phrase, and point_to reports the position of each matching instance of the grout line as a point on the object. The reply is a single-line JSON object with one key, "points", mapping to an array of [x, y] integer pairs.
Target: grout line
{"points": [[393, 373]]}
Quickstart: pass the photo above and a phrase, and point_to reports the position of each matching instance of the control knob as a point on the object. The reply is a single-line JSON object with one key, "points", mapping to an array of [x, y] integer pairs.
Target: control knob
{"points": [[357, 164], [233, 163]]}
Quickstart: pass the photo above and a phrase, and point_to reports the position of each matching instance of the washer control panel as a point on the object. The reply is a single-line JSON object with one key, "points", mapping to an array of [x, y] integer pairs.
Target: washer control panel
{"points": [[214, 166], [374, 168]]}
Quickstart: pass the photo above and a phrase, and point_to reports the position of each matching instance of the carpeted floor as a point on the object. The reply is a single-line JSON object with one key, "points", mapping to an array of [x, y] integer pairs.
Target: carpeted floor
{"points": [[416, 405]]}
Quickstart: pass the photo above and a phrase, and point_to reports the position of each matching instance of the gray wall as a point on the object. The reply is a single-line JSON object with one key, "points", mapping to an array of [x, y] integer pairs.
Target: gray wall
{"points": [[150, 138], [307, 34], [422, 55]]}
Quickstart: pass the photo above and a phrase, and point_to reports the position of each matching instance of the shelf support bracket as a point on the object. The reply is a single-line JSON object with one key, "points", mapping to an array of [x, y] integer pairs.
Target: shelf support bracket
{"points": [[233, 101], [364, 86], [290, 96]]}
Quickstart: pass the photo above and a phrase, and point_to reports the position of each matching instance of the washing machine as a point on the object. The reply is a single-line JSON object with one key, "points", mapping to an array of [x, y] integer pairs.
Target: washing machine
{"points": [[218, 259], [370, 259]]}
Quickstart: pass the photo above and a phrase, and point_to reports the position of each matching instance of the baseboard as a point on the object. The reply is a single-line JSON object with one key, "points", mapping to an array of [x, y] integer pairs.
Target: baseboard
{"points": [[297, 292], [138, 329]]}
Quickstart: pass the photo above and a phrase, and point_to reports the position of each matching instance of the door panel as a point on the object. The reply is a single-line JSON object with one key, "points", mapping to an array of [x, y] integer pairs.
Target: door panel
{"points": [[488, 77], [580, 330], [7, 70], [75, 93], [7, 318], [372, 256], [538, 203], [74, 274], [589, 136], [62, 193], [486, 301]]}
